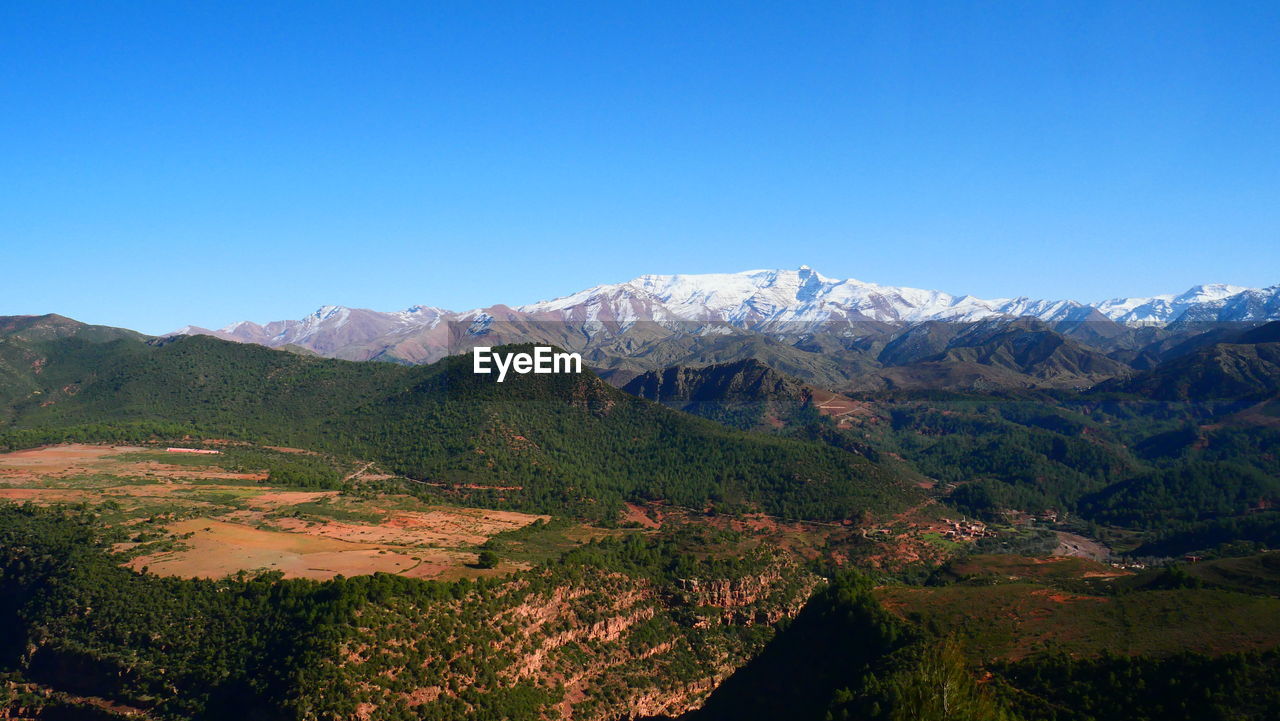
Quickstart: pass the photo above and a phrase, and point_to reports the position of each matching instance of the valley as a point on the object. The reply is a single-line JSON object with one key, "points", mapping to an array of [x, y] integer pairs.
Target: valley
{"points": [[366, 540]]}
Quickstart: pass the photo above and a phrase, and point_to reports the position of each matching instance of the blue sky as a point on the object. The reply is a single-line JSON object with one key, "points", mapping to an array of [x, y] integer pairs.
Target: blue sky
{"points": [[173, 163]]}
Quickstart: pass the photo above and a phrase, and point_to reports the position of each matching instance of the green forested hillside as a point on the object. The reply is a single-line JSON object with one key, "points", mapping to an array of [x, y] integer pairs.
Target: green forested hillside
{"points": [[1185, 472], [552, 443], [1220, 372]]}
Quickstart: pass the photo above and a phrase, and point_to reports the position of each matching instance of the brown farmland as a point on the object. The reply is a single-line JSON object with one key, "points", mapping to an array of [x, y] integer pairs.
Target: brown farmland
{"points": [[199, 519]]}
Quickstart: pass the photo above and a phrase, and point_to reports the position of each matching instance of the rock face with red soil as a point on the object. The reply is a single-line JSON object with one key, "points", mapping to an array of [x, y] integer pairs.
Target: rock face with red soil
{"points": [[585, 643]]}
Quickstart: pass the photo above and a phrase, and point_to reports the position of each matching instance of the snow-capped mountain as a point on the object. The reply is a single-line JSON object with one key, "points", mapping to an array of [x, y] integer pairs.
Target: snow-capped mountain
{"points": [[769, 297], [1168, 308], [1247, 306], [772, 302]]}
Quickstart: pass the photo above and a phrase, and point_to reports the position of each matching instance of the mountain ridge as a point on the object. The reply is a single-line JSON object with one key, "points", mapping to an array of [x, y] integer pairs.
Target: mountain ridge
{"points": [[773, 301]]}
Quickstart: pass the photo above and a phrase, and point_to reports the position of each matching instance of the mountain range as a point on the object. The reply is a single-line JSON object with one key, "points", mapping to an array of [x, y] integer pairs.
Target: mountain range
{"points": [[836, 333], [775, 302]]}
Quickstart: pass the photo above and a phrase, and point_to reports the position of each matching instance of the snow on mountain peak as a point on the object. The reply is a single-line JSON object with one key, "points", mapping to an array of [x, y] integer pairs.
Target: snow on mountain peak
{"points": [[1168, 307], [238, 325], [1209, 292], [802, 295], [325, 312]]}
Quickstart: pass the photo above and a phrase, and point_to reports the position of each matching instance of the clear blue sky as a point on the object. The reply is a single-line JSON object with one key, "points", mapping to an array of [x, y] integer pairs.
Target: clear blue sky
{"points": [[164, 163]]}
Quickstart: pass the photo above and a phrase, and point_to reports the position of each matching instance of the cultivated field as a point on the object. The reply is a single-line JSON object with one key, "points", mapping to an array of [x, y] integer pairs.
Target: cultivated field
{"points": [[201, 516]]}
